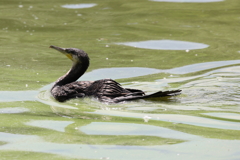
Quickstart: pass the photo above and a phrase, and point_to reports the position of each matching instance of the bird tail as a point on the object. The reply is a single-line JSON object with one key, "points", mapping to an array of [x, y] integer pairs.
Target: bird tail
{"points": [[163, 94], [153, 95]]}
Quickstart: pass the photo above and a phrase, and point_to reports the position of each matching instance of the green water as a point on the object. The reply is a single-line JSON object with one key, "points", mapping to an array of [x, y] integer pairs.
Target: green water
{"points": [[202, 123]]}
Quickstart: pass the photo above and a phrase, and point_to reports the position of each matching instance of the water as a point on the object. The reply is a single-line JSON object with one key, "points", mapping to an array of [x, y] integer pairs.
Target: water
{"points": [[188, 1], [79, 6], [166, 45], [192, 46]]}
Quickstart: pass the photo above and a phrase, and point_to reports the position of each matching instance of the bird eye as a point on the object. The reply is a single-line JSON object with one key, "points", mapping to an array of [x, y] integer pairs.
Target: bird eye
{"points": [[69, 51]]}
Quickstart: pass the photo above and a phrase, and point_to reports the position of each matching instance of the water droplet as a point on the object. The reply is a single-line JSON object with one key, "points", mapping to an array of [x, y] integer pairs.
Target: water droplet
{"points": [[146, 118], [106, 58], [219, 78], [20, 6]]}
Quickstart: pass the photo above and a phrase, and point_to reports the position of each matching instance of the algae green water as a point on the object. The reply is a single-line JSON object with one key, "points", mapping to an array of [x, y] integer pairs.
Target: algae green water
{"points": [[150, 45]]}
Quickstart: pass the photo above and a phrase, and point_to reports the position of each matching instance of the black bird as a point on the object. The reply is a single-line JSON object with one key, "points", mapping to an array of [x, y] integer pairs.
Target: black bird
{"points": [[105, 90]]}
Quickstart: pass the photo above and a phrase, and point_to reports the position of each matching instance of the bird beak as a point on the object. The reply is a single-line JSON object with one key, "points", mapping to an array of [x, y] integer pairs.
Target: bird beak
{"points": [[62, 50]]}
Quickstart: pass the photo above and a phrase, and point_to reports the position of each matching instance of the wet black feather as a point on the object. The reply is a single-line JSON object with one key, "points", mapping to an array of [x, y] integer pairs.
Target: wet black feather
{"points": [[106, 90]]}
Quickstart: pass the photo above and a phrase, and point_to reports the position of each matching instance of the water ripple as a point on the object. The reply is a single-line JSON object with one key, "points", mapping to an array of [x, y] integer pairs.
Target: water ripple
{"points": [[109, 128], [188, 1], [50, 124], [79, 6], [185, 119], [199, 149], [166, 45]]}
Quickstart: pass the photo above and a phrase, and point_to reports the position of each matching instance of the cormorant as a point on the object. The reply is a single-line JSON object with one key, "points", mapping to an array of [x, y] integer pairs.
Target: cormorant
{"points": [[105, 90]]}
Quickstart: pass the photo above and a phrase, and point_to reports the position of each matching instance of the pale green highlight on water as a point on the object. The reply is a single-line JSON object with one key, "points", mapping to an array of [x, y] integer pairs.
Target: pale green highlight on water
{"points": [[202, 123], [166, 45]]}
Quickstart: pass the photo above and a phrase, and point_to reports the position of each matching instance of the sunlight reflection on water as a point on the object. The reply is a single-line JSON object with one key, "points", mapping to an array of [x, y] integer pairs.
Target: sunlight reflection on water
{"points": [[50, 124], [166, 45], [199, 149], [206, 88], [11, 96], [118, 73], [128, 72], [185, 119], [109, 128], [13, 110], [188, 1], [232, 116], [50, 129], [79, 6]]}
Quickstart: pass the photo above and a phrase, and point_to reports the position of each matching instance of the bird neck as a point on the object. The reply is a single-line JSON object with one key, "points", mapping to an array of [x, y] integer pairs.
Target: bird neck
{"points": [[77, 70]]}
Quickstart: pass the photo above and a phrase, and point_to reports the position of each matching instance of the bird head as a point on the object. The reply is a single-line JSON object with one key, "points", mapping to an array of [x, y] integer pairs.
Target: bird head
{"points": [[74, 54]]}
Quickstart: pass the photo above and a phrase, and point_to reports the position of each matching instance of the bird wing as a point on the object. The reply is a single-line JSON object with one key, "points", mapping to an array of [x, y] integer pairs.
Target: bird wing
{"points": [[72, 90], [110, 88]]}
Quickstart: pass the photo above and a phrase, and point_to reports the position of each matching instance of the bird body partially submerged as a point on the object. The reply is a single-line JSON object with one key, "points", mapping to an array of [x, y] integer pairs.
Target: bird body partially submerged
{"points": [[106, 90]]}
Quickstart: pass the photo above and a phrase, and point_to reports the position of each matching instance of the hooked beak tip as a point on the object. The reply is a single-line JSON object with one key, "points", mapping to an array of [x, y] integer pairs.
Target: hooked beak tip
{"points": [[58, 48]]}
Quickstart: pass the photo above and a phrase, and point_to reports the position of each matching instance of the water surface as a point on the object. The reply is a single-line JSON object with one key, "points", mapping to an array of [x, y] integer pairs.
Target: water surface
{"points": [[188, 1], [79, 6], [166, 45], [192, 46]]}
